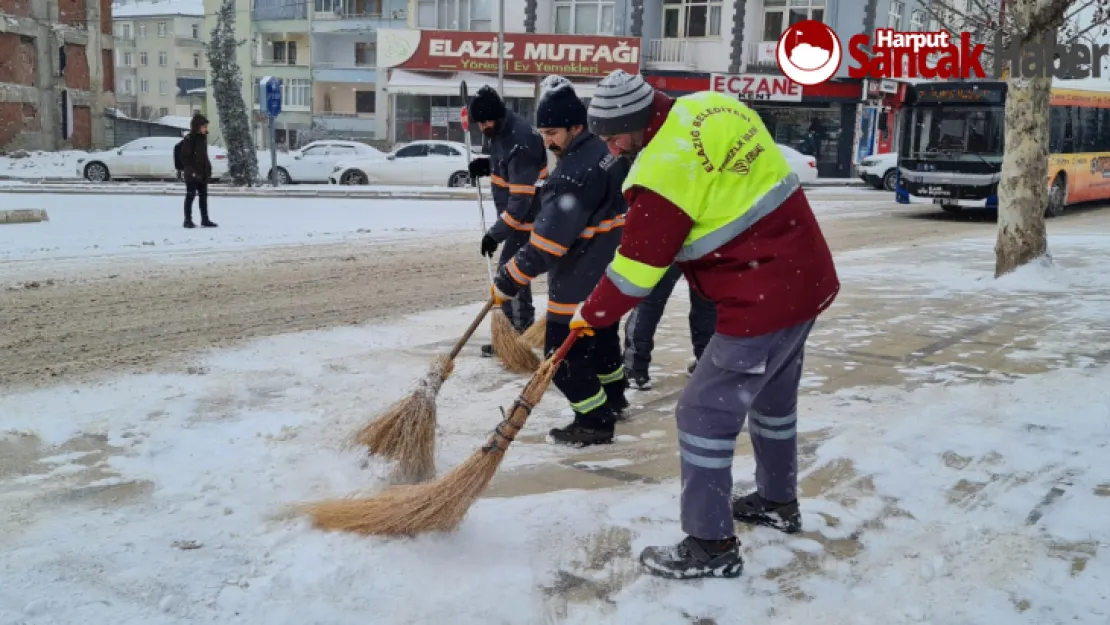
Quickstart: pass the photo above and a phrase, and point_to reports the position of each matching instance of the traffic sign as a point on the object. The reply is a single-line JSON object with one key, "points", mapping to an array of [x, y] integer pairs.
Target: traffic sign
{"points": [[271, 95]]}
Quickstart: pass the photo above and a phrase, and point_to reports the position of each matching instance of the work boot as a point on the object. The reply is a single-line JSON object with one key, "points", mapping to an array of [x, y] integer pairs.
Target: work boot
{"points": [[594, 429], [207, 223], [695, 558], [189, 223], [755, 510], [487, 351], [639, 380], [693, 365], [615, 399]]}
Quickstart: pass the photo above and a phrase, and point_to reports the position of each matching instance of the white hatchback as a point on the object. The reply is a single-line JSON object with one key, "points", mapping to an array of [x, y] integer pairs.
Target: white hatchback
{"points": [[315, 161], [420, 163], [148, 158], [805, 167]]}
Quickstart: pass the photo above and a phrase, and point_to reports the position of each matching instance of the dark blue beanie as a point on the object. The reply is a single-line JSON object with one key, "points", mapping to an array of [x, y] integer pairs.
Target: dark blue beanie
{"points": [[486, 106], [559, 106]]}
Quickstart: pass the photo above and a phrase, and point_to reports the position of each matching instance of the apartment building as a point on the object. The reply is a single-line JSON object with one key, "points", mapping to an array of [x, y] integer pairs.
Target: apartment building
{"points": [[56, 73], [160, 57]]}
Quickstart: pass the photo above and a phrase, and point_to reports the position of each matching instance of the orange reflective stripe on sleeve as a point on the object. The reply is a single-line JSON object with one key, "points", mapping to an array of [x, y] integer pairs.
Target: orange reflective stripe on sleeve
{"points": [[606, 226], [561, 309], [547, 245], [516, 274], [498, 180], [522, 189], [513, 223], [543, 173]]}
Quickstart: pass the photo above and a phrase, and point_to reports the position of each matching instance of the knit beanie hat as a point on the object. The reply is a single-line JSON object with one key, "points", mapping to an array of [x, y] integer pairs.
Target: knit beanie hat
{"points": [[621, 103], [559, 106], [486, 106]]}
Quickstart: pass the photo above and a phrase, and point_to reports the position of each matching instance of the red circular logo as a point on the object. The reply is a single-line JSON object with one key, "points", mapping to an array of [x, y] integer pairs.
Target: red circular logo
{"points": [[809, 53]]}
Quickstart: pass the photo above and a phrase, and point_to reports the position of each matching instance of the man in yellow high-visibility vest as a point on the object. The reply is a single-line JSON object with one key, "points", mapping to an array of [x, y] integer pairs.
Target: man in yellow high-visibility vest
{"points": [[710, 190]]}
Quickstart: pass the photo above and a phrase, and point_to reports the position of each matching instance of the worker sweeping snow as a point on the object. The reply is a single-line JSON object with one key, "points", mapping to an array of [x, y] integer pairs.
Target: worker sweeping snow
{"points": [[575, 236], [517, 162], [710, 190]]}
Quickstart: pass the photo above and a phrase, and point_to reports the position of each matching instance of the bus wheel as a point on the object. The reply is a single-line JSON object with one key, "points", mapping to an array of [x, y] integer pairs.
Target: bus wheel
{"points": [[1057, 196]]}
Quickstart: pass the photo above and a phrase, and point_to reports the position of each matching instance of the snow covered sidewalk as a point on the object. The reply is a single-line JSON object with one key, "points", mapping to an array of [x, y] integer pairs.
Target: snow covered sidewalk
{"points": [[965, 489]]}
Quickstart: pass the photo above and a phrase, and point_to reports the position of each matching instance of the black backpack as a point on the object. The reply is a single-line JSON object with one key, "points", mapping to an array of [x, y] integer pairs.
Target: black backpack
{"points": [[177, 164]]}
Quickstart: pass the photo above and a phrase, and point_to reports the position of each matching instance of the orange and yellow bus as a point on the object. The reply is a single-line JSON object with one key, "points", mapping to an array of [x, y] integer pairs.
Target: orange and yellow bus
{"points": [[953, 141]]}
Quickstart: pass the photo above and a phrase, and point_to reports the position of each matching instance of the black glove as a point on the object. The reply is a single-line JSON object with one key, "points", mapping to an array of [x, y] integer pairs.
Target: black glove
{"points": [[489, 246], [478, 168]]}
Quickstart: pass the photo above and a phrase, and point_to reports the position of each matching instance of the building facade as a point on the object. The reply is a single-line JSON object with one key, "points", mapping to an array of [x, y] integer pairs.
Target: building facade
{"points": [[56, 73], [160, 57]]}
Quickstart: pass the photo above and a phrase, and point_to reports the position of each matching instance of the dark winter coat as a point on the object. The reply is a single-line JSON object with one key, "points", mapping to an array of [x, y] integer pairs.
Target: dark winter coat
{"points": [[517, 161], [194, 156], [577, 230]]}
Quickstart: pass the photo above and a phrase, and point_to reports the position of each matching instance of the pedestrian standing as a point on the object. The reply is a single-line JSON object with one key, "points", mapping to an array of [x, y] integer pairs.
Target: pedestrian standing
{"points": [[516, 163], [575, 235], [639, 330], [710, 189], [197, 170]]}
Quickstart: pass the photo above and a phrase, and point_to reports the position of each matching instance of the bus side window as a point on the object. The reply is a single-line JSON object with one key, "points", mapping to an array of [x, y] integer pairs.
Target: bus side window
{"points": [[1103, 143], [1088, 119], [1056, 129]]}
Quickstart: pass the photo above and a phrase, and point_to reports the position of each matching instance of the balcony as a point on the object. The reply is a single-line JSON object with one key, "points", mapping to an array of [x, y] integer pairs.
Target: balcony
{"points": [[672, 54], [759, 58], [124, 41], [336, 121], [346, 72], [343, 20], [188, 42]]}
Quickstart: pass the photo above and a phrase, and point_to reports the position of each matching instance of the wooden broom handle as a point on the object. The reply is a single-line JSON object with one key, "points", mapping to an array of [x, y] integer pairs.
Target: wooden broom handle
{"points": [[561, 353], [470, 331]]}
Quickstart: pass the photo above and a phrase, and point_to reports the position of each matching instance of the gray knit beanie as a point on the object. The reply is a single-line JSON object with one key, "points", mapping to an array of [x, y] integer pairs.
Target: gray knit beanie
{"points": [[621, 103]]}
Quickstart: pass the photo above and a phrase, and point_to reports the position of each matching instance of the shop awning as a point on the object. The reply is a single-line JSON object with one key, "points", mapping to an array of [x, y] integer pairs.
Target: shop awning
{"points": [[412, 83], [584, 88]]}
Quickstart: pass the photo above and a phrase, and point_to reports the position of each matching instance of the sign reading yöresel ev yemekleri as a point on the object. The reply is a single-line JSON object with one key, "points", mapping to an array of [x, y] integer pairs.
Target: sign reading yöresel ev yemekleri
{"points": [[525, 53]]}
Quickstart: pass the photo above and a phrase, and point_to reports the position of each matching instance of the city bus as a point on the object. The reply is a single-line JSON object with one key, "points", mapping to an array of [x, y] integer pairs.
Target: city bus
{"points": [[953, 140]]}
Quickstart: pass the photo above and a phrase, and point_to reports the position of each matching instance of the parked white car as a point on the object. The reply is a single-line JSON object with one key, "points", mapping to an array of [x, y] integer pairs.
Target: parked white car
{"points": [[315, 161], [880, 170], [420, 163], [805, 167], [149, 158]]}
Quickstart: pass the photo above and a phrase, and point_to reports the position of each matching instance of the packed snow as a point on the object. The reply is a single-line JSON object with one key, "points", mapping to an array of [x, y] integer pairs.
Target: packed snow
{"points": [[163, 499], [39, 165]]}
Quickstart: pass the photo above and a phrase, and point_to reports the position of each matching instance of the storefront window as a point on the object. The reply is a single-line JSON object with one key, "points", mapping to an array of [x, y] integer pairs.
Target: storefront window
{"points": [[810, 130], [419, 117]]}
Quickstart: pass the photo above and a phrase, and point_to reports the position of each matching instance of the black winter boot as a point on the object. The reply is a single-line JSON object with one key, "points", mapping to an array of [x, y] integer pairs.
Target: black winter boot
{"points": [[639, 380], [487, 351], [208, 223], [189, 223], [695, 558], [615, 399], [593, 429], [755, 510]]}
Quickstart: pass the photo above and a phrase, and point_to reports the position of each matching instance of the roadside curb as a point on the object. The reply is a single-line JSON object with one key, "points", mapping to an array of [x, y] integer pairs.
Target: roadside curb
{"points": [[241, 192]]}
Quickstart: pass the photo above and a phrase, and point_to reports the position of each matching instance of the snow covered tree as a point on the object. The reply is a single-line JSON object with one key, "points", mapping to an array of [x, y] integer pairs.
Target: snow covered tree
{"points": [[1023, 192], [227, 89]]}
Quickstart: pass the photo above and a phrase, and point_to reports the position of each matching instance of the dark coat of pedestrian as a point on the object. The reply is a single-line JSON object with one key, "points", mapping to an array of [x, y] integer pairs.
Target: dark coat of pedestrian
{"points": [[197, 170]]}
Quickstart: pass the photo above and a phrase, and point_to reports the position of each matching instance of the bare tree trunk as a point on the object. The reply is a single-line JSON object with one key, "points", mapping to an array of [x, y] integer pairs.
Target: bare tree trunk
{"points": [[1023, 192]]}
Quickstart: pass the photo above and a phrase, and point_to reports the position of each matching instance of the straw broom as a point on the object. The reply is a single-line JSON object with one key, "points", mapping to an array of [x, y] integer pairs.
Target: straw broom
{"points": [[406, 430], [441, 505], [514, 355], [536, 335]]}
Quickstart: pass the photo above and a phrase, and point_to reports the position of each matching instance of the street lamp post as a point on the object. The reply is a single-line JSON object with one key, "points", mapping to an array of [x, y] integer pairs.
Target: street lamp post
{"points": [[501, 48]]}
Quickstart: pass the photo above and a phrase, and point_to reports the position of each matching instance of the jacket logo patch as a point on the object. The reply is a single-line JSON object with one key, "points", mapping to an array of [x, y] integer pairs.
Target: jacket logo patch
{"points": [[743, 166]]}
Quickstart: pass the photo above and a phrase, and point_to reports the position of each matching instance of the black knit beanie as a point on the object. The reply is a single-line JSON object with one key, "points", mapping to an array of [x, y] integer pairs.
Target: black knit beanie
{"points": [[486, 106], [559, 106]]}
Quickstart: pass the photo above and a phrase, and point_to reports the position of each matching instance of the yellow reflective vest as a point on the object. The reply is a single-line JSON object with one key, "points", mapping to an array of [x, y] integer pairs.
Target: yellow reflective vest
{"points": [[715, 160]]}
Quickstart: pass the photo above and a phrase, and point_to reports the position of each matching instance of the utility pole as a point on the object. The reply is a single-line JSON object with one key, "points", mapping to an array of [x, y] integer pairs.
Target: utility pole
{"points": [[501, 48]]}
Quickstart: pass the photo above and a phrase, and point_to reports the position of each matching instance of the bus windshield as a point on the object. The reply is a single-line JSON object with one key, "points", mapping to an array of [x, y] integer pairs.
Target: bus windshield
{"points": [[957, 133]]}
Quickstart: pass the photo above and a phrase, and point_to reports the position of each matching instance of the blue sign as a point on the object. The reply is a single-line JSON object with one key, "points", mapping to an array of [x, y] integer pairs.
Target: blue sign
{"points": [[271, 94]]}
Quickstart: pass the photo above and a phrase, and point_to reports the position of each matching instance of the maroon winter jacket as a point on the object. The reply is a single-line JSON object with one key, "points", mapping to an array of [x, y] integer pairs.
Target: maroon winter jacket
{"points": [[775, 275]]}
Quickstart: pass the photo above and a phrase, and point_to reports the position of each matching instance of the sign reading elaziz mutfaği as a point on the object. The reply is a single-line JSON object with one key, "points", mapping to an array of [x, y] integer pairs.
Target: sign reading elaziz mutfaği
{"points": [[525, 53]]}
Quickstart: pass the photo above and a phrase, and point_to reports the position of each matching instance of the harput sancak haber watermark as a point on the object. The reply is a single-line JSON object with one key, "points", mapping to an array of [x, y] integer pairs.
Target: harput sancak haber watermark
{"points": [[937, 55]]}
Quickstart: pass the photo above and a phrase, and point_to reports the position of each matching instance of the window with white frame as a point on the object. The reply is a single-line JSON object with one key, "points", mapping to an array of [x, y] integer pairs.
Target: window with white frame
{"points": [[894, 16], [917, 21], [142, 31], [127, 59], [684, 19], [196, 60], [196, 31], [777, 16], [125, 31], [128, 86], [142, 59], [144, 86], [455, 14], [161, 29], [296, 92], [163, 59], [164, 87], [584, 17]]}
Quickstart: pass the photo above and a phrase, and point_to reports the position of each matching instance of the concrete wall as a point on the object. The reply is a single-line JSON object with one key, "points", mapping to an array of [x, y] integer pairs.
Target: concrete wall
{"points": [[31, 82]]}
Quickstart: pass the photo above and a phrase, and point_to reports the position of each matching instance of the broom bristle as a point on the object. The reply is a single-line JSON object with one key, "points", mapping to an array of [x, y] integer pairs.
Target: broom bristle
{"points": [[436, 506], [406, 430], [536, 335], [513, 354]]}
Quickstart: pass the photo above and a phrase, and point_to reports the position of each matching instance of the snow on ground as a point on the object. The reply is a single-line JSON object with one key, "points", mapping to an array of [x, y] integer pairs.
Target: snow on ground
{"points": [[161, 499], [86, 226], [38, 165]]}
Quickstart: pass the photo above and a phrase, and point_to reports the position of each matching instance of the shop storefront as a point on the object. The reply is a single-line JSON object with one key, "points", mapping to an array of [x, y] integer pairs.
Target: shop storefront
{"points": [[423, 70], [877, 123], [819, 120]]}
